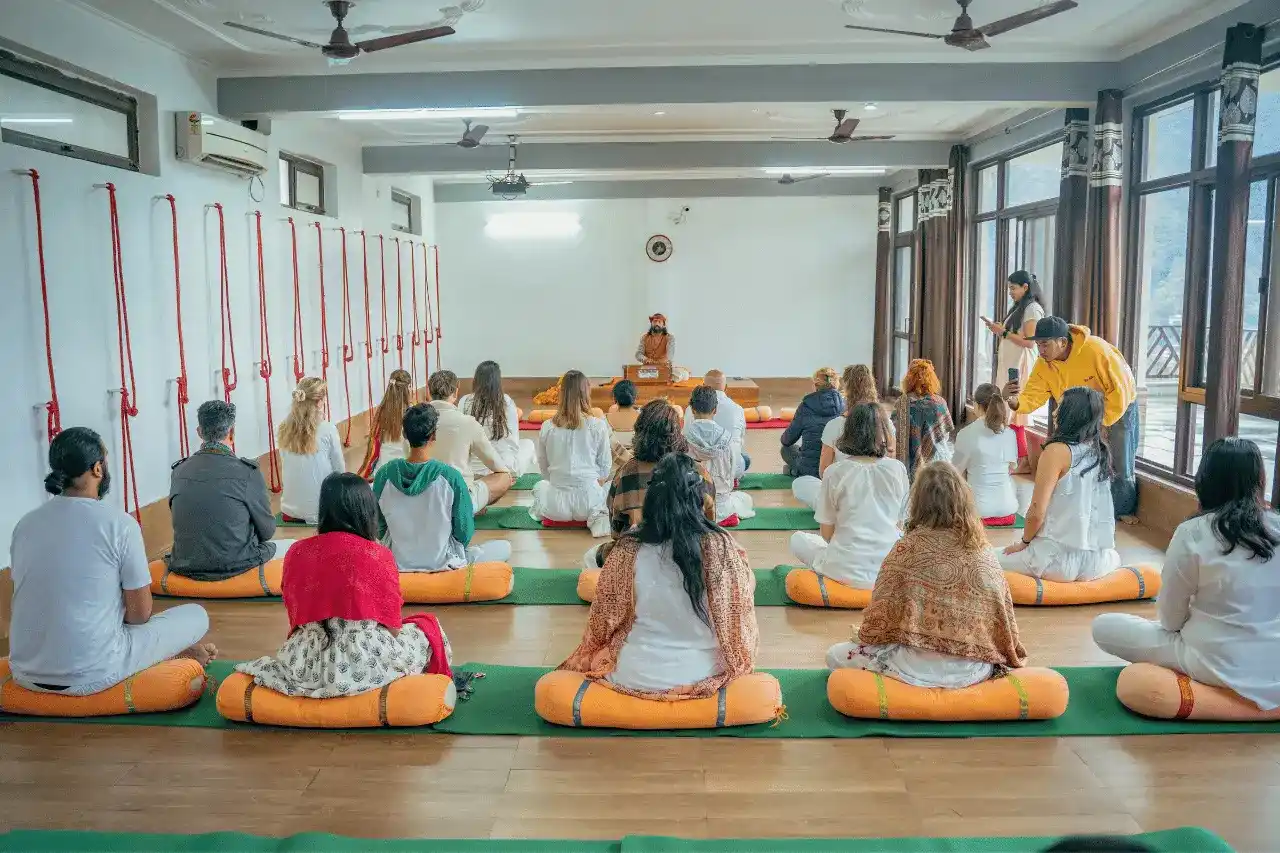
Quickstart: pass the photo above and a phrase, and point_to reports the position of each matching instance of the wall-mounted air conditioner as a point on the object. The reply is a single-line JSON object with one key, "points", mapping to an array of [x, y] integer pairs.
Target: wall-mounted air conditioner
{"points": [[213, 141]]}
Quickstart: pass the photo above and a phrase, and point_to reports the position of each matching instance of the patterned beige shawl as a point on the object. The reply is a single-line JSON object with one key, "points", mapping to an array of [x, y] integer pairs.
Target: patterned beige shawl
{"points": [[730, 604], [932, 594]]}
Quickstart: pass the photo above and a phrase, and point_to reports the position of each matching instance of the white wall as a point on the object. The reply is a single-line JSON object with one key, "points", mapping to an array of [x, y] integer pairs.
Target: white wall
{"points": [[755, 286], [82, 304]]}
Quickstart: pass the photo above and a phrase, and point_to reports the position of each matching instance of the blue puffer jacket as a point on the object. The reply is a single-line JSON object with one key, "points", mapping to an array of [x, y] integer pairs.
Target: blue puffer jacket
{"points": [[815, 411]]}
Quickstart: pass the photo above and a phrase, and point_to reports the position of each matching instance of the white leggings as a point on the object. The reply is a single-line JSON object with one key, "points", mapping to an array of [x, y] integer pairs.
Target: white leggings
{"points": [[163, 636], [1139, 640], [806, 490]]}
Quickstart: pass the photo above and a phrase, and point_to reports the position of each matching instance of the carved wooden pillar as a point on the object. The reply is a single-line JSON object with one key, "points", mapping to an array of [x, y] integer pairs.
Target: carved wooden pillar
{"points": [[1070, 247], [1241, 60], [882, 324], [1097, 303]]}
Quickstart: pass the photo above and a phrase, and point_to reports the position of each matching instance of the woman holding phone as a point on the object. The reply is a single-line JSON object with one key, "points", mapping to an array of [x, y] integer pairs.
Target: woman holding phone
{"points": [[1017, 352]]}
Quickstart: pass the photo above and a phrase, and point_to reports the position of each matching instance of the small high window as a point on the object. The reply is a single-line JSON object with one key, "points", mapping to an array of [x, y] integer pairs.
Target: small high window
{"points": [[301, 184]]}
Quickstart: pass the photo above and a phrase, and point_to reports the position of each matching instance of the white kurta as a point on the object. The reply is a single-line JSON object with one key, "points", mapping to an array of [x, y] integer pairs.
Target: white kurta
{"points": [[303, 474], [519, 454], [984, 457], [572, 463], [1010, 355]]}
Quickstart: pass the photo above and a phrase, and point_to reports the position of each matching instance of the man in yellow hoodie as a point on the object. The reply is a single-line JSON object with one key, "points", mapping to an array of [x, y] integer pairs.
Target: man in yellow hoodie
{"points": [[1071, 357]]}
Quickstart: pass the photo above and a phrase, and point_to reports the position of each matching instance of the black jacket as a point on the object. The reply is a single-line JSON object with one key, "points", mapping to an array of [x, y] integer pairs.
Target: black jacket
{"points": [[815, 411], [222, 518]]}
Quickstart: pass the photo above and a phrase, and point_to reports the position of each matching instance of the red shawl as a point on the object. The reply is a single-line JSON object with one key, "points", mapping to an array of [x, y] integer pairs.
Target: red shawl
{"points": [[342, 576]]}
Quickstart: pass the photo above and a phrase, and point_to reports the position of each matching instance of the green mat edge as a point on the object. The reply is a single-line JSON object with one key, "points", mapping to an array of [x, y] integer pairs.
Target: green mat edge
{"points": [[1181, 840]]}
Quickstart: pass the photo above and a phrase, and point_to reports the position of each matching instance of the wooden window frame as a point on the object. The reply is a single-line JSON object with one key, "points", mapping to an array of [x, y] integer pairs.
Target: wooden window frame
{"points": [[905, 239], [297, 164]]}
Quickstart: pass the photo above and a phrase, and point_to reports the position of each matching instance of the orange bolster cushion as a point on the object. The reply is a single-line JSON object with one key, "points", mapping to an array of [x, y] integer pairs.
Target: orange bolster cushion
{"points": [[805, 586], [415, 700], [478, 582], [587, 581], [1031, 693], [167, 686], [786, 414], [537, 416], [570, 699], [1163, 694], [758, 413], [1127, 583], [256, 583]]}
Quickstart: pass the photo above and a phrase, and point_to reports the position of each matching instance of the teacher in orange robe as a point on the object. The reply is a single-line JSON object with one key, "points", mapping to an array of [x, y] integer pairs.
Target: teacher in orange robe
{"points": [[657, 346]]}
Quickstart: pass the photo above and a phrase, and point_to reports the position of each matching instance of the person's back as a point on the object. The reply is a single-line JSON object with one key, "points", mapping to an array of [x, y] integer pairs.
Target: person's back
{"points": [[72, 558], [573, 456], [222, 521], [1080, 512], [985, 457], [864, 500], [302, 474], [811, 418], [428, 515]]}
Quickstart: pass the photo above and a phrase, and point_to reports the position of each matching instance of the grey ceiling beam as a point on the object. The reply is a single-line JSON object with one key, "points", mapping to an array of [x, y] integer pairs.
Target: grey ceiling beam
{"points": [[1066, 83], [682, 189], [647, 156]]}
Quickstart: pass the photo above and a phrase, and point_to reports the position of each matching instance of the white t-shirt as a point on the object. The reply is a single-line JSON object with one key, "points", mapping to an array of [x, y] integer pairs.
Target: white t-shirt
{"points": [[728, 414], [835, 427], [1226, 607], [575, 457], [864, 500], [507, 447], [669, 646], [984, 457], [72, 559], [303, 474], [420, 528]]}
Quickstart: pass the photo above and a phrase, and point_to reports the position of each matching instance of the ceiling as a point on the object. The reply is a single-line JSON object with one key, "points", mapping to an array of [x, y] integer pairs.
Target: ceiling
{"points": [[505, 34], [697, 122]]}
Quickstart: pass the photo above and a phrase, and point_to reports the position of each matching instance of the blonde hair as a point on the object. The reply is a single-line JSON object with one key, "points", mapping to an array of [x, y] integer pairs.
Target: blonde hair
{"points": [[941, 500], [825, 378], [921, 379], [995, 410], [395, 402], [575, 401], [298, 432], [859, 386]]}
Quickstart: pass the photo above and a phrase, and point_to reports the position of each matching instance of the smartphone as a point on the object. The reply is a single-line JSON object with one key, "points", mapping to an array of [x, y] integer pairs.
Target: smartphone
{"points": [[1013, 374]]}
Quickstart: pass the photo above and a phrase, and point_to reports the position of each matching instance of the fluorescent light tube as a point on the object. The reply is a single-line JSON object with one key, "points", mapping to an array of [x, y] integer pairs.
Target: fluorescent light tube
{"points": [[823, 170], [400, 115], [525, 226]]}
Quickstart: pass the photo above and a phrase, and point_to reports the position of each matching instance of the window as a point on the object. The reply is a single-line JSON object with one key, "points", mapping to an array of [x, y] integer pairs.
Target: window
{"points": [[984, 367], [402, 212], [1267, 137], [904, 286], [42, 108], [906, 214], [1034, 176], [301, 184], [988, 181], [1166, 141]]}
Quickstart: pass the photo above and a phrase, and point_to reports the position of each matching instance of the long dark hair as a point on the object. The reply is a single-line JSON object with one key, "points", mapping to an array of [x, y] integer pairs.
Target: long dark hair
{"points": [[72, 454], [673, 513], [1229, 484], [1078, 420], [347, 505], [658, 432], [1035, 293], [488, 403], [865, 433]]}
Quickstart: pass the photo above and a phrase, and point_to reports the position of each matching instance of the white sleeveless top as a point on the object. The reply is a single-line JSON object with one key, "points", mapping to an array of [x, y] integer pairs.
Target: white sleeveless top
{"points": [[1081, 513]]}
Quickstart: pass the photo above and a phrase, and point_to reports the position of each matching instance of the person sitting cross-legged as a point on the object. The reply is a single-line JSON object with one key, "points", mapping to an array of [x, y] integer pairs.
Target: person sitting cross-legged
{"points": [[860, 505], [941, 614], [342, 593], [83, 618], [497, 413], [222, 517], [310, 450], [574, 456], [674, 612], [720, 451], [802, 439], [729, 414], [623, 413], [461, 440], [428, 519], [1218, 614], [386, 441], [987, 453]]}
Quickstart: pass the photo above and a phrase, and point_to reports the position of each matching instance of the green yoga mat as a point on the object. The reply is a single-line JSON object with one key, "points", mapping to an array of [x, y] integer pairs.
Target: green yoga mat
{"points": [[503, 705], [767, 518], [1186, 840], [749, 482], [280, 522], [1019, 523]]}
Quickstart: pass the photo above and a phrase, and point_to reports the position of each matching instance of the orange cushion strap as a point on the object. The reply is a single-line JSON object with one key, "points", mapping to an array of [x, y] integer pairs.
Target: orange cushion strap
{"points": [[164, 579], [262, 579], [382, 706], [822, 588], [577, 702], [248, 700], [128, 695], [882, 695], [1186, 697], [1024, 702], [466, 584], [1142, 582]]}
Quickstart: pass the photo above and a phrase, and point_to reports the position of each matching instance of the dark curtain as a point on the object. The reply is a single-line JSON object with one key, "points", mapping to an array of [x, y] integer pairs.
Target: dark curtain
{"points": [[1241, 62], [1097, 302], [1070, 252], [940, 274], [882, 336]]}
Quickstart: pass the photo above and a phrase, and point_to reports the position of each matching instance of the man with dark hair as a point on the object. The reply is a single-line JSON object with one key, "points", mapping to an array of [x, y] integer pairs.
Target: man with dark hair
{"points": [[461, 438], [720, 452], [1071, 357], [222, 518], [658, 346], [427, 518], [728, 413]]}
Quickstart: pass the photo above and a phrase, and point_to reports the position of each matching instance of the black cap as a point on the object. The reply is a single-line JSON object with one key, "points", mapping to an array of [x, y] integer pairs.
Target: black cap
{"points": [[1051, 328]]}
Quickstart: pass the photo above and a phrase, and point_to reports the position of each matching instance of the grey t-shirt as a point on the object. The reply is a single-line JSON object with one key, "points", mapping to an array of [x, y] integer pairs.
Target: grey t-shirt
{"points": [[72, 559]]}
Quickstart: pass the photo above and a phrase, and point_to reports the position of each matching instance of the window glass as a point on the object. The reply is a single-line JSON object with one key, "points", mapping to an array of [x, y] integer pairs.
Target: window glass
{"points": [[308, 189], [401, 212], [1035, 252], [1211, 130], [984, 348], [902, 288], [286, 197], [987, 186], [1166, 141], [1255, 243], [1035, 176], [901, 359], [1263, 432], [1267, 139], [1162, 247], [37, 111], [906, 217]]}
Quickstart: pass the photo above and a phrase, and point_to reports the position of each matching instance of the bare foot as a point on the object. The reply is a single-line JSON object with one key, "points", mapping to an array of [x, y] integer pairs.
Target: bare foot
{"points": [[1129, 520], [201, 653]]}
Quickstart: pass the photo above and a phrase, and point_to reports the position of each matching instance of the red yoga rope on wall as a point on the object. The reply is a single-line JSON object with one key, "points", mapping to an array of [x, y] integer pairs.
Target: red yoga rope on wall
{"points": [[386, 329], [51, 407], [368, 321], [426, 291], [439, 329], [274, 481], [299, 345], [184, 395], [416, 340], [399, 306], [128, 383], [324, 312], [348, 351], [230, 373]]}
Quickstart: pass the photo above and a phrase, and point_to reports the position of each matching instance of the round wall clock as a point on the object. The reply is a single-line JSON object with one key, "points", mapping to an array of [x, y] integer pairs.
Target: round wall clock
{"points": [[658, 248]]}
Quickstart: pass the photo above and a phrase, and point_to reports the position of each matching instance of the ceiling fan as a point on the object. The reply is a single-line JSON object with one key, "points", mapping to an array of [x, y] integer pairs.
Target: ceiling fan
{"points": [[843, 132], [964, 34], [340, 47], [472, 135], [789, 179]]}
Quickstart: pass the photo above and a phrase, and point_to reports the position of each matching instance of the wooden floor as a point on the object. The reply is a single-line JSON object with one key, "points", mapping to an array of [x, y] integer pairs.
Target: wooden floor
{"points": [[376, 785]]}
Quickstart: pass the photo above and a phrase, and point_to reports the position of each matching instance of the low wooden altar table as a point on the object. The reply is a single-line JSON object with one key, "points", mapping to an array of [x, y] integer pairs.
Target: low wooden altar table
{"points": [[741, 390]]}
